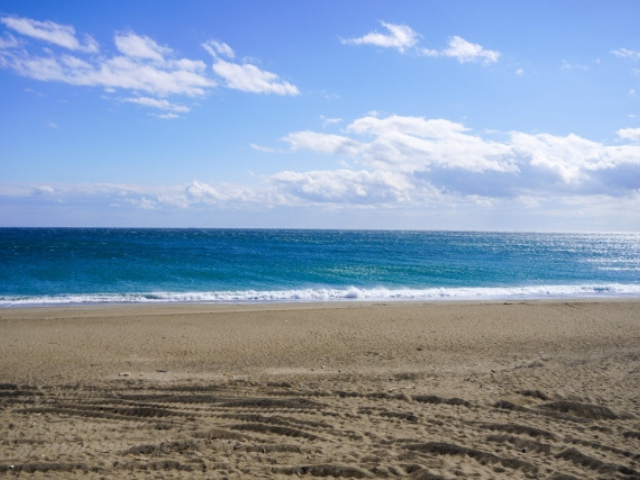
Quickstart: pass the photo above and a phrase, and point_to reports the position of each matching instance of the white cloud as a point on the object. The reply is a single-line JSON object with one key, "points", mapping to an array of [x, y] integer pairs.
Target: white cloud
{"points": [[409, 144], [168, 116], [8, 42], [347, 187], [410, 164], [632, 134], [403, 37], [159, 77], [450, 157], [250, 78], [225, 195], [216, 48], [400, 37], [161, 104], [139, 64], [260, 148], [573, 66], [465, 51], [520, 72], [626, 53], [44, 190], [133, 45], [322, 142], [61, 35], [330, 121], [571, 158], [144, 203]]}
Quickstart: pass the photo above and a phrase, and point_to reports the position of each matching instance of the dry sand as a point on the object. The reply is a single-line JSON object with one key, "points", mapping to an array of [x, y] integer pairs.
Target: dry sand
{"points": [[469, 390]]}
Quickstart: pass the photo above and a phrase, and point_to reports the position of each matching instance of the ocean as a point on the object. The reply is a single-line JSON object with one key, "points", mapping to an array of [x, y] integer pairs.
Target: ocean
{"points": [[53, 266]]}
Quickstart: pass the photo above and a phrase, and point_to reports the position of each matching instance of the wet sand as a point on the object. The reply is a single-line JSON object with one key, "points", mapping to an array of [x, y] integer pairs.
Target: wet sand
{"points": [[402, 390]]}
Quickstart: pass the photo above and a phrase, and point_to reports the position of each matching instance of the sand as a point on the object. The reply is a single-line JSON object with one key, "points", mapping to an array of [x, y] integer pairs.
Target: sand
{"points": [[402, 390]]}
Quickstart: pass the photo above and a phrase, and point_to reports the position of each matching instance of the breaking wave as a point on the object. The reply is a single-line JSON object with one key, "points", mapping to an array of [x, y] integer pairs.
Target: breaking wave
{"points": [[329, 295]]}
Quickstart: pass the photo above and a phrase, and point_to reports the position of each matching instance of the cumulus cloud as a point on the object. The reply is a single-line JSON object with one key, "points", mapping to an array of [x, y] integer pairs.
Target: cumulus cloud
{"points": [[409, 144], [361, 187], [632, 134], [399, 37], [450, 157], [61, 35]]}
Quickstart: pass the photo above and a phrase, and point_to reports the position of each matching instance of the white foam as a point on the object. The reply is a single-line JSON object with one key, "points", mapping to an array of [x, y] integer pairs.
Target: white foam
{"points": [[328, 295]]}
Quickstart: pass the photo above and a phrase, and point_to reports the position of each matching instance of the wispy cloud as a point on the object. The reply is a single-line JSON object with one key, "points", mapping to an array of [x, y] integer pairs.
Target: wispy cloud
{"points": [[142, 65], [329, 121], [626, 53], [216, 48], [137, 46], [139, 64], [261, 148], [161, 104], [404, 39], [573, 66], [464, 52], [250, 78], [399, 37], [61, 35], [246, 77], [168, 116]]}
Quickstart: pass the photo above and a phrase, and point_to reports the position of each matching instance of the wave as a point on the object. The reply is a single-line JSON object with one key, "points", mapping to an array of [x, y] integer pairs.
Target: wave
{"points": [[328, 295]]}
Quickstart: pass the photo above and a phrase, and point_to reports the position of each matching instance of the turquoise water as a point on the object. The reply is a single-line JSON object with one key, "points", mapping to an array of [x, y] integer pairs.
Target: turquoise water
{"points": [[59, 265]]}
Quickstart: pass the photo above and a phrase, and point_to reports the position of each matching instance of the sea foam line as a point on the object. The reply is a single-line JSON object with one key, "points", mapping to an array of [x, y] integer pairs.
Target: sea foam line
{"points": [[329, 294]]}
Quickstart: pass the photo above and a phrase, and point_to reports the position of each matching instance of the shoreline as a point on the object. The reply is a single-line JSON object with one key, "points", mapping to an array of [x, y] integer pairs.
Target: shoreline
{"points": [[304, 304], [482, 389], [447, 299]]}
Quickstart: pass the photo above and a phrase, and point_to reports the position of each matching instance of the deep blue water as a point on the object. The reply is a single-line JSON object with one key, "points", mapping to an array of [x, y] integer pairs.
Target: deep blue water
{"points": [[59, 265]]}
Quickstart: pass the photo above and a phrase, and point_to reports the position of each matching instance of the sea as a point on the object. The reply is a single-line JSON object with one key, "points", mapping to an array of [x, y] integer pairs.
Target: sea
{"points": [[79, 266]]}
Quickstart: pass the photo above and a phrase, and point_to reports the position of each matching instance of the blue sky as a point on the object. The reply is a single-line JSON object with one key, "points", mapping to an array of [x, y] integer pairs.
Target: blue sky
{"points": [[497, 115]]}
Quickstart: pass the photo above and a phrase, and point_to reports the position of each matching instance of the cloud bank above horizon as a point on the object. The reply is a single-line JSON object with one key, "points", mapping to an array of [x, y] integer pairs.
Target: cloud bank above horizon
{"points": [[400, 162]]}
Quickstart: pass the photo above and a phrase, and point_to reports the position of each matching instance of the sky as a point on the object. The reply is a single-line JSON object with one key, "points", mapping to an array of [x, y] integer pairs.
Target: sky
{"points": [[426, 114]]}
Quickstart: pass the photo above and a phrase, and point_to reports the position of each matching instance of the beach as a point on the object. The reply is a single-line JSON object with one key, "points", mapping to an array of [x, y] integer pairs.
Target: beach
{"points": [[531, 389]]}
